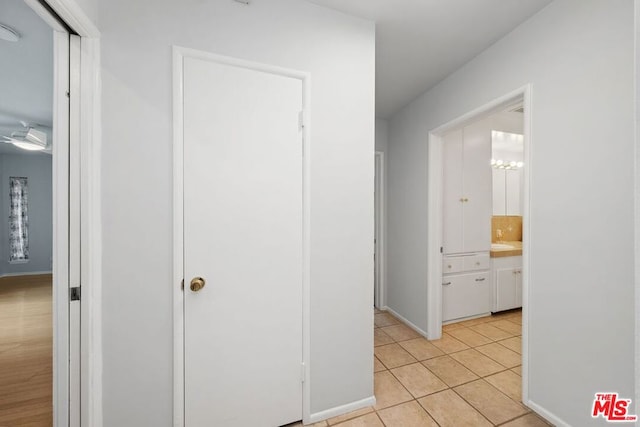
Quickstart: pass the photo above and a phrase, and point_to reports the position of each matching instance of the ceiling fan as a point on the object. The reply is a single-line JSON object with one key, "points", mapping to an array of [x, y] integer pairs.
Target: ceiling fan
{"points": [[28, 138]]}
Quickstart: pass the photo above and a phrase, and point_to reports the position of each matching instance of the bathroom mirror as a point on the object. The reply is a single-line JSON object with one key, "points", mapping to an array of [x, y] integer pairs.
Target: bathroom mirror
{"points": [[507, 162]]}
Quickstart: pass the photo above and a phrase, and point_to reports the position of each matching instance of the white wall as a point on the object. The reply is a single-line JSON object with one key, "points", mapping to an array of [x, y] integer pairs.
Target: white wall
{"points": [[37, 168], [382, 135], [338, 51], [578, 56]]}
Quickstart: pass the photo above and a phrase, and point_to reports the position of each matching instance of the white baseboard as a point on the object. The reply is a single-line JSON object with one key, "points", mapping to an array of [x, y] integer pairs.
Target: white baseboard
{"points": [[341, 410], [405, 321], [547, 415], [26, 273]]}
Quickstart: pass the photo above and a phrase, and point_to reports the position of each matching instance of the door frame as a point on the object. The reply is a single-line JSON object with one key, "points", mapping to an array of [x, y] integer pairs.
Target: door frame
{"points": [[380, 262], [436, 217], [77, 257], [179, 54]]}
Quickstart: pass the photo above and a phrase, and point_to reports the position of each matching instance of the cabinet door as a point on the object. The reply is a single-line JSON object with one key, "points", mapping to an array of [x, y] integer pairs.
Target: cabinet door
{"points": [[465, 295], [477, 187], [452, 192], [506, 290], [518, 288], [513, 193]]}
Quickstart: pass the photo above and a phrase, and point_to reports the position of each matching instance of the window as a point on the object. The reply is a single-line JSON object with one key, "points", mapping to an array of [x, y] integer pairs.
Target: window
{"points": [[18, 221]]}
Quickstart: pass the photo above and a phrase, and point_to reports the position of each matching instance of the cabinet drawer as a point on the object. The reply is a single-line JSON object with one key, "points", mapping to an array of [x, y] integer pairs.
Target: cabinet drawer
{"points": [[452, 264], [477, 262]]}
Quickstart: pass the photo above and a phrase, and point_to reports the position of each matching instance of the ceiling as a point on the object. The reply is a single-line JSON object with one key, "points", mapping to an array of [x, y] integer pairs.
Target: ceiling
{"points": [[26, 74], [420, 42]]}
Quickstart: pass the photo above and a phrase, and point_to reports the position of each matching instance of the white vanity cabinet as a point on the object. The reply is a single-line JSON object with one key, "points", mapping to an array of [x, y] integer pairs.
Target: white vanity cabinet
{"points": [[466, 286], [467, 189], [507, 283]]}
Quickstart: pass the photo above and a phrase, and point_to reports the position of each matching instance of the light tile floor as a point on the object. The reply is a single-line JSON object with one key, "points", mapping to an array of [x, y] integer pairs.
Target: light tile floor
{"points": [[470, 377]]}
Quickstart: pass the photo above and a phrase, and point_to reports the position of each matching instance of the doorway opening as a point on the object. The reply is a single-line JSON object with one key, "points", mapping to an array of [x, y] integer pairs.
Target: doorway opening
{"points": [[44, 257], [29, 149], [455, 261]]}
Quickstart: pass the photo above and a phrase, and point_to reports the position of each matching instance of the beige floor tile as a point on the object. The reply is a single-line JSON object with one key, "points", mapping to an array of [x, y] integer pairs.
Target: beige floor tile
{"points": [[490, 331], [529, 420], [377, 365], [450, 410], [501, 354], [400, 332], [452, 326], [492, 403], [369, 420], [381, 338], [507, 382], [355, 414], [450, 371], [388, 390], [448, 344], [418, 380], [409, 414], [393, 355], [476, 321], [505, 325], [515, 319], [384, 319], [469, 337], [421, 349], [517, 370], [514, 344], [477, 362]]}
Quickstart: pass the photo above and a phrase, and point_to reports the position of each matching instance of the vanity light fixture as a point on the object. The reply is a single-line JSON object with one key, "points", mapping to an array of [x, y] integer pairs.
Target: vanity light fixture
{"points": [[8, 34], [508, 164]]}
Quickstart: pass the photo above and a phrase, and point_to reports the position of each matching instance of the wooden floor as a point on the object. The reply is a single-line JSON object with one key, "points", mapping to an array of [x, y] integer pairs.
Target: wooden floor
{"points": [[26, 340]]}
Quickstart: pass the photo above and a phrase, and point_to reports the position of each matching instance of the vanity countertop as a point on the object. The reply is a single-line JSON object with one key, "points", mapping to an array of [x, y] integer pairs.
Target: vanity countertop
{"points": [[510, 249]]}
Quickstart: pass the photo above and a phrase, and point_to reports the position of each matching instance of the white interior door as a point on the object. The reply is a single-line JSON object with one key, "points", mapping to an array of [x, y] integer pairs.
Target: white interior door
{"points": [[243, 234]]}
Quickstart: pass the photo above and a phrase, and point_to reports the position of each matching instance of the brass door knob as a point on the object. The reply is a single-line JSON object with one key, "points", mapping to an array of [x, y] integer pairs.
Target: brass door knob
{"points": [[197, 283]]}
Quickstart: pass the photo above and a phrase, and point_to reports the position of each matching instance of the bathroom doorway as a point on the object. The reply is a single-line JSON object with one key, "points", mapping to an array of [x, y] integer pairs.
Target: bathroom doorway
{"points": [[517, 100]]}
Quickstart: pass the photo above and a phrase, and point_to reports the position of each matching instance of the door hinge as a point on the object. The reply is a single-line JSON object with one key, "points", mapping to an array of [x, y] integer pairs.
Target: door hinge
{"points": [[441, 249], [182, 285], [74, 294], [303, 372], [301, 120]]}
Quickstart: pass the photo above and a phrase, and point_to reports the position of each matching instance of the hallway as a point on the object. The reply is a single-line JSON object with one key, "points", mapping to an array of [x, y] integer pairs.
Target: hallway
{"points": [[470, 377]]}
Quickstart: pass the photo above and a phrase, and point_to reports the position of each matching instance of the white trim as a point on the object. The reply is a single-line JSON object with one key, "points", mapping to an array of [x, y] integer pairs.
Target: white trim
{"points": [[547, 415], [177, 282], [26, 273], [75, 364], [91, 250], [381, 256], [405, 321], [434, 236], [90, 233], [179, 53], [636, 164], [435, 218], [43, 13], [341, 410], [60, 198], [73, 15]]}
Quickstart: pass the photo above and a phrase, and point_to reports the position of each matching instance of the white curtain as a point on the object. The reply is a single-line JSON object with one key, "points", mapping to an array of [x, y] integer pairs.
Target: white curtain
{"points": [[18, 220]]}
